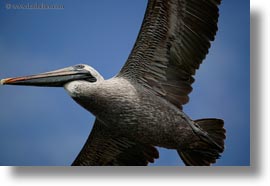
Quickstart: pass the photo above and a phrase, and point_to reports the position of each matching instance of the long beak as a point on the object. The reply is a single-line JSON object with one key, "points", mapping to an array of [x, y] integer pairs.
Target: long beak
{"points": [[51, 79]]}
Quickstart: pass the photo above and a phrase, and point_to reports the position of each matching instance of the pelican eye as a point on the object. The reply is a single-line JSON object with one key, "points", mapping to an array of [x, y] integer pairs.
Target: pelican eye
{"points": [[78, 67]]}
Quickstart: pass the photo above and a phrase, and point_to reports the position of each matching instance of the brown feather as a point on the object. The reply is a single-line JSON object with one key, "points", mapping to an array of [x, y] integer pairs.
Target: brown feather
{"points": [[173, 41], [104, 147]]}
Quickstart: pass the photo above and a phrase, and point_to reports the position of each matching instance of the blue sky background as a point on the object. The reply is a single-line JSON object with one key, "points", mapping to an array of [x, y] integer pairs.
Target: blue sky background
{"points": [[44, 126]]}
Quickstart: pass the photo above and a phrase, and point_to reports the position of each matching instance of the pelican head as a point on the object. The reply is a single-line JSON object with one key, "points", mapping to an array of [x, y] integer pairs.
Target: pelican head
{"points": [[57, 78]]}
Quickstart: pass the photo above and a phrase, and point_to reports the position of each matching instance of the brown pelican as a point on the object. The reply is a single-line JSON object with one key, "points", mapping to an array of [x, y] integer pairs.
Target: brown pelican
{"points": [[141, 107]]}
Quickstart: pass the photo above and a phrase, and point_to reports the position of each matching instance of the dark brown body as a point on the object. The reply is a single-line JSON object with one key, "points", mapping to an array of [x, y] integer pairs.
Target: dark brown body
{"points": [[135, 112]]}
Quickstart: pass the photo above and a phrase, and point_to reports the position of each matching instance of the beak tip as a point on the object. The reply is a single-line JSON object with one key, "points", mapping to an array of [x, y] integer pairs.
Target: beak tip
{"points": [[2, 82]]}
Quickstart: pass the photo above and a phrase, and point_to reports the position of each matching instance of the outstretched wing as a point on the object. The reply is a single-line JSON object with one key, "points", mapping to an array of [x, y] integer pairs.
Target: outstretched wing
{"points": [[103, 148], [173, 41]]}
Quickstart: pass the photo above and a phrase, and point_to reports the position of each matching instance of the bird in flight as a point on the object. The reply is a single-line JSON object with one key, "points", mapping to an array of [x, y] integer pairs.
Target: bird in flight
{"points": [[140, 108]]}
